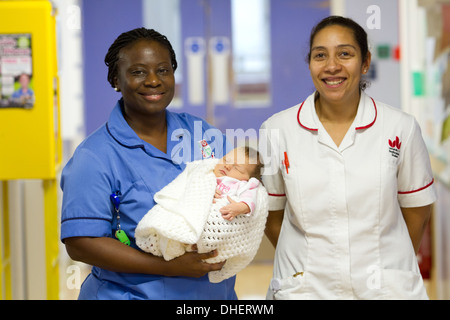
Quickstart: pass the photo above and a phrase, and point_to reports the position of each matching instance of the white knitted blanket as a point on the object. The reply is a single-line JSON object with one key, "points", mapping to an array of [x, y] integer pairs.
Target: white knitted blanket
{"points": [[185, 214]]}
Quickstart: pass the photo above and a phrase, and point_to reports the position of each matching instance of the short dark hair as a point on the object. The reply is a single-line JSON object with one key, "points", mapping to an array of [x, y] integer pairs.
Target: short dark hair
{"points": [[253, 154], [127, 38], [358, 32]]}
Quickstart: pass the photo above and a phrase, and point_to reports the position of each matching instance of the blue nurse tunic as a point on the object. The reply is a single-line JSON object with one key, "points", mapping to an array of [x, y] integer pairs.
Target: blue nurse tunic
{"points": [[113, 159]]}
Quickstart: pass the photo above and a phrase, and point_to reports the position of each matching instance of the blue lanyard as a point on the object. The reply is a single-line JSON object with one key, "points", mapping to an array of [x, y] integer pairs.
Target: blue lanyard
{"points": [[120, 234]]}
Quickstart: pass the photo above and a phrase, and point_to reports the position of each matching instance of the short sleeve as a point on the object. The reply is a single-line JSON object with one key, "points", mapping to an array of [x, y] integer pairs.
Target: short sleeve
{"points": [[271, 173], [86, 207], [247, 192], [415, 178]]}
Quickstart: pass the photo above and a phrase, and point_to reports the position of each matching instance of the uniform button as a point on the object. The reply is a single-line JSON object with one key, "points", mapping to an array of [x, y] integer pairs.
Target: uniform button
{"points": [[275, 284]]}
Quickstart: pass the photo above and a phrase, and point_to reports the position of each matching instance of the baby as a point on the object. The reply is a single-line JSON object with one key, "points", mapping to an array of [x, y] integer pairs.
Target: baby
{"points": [[213, 204], [238, 174]]}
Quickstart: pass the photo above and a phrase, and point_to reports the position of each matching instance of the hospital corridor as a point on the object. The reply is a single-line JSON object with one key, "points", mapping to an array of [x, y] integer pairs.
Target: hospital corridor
{"points": [[106, 105]]}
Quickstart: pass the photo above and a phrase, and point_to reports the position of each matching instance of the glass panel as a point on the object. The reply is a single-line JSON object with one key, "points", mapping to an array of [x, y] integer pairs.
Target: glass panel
{"points": [[251, 52], [165, 17]]}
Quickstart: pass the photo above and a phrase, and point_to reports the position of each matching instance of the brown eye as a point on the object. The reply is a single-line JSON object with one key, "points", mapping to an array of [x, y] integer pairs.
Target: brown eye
{"points": [[137, 73], [345, 54], [319, 56], [163, 71]]}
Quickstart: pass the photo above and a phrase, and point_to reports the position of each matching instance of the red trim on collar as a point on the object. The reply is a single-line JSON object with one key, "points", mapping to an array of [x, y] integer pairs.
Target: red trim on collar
{"points": [[375, 119], [357, 128], [298, 118]]}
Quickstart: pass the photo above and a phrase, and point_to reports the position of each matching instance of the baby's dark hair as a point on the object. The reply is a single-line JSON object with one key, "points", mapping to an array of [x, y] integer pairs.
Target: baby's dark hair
{"points": [[254, 158], [127, 38]]}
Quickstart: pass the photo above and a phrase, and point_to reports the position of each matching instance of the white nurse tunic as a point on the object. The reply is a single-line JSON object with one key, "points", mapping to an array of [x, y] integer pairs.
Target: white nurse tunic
{"points": [[343, 235]]}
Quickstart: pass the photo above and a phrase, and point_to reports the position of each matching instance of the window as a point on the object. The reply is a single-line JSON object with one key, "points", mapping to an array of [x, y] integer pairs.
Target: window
{"points": [[165, 17], [251, 52]]}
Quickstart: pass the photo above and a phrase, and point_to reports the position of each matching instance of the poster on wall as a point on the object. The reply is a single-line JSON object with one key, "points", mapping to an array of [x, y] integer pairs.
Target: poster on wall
{"points": [[16, 76]]}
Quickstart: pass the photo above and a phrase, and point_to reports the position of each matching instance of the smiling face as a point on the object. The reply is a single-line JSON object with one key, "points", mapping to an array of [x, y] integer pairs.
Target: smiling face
{"points": [[145, 77], [336, 64]]}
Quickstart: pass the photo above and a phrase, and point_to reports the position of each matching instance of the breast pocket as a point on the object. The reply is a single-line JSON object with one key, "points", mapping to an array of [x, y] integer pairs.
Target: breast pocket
{"points": [[293, 178], [290, 176], [389, 171]]}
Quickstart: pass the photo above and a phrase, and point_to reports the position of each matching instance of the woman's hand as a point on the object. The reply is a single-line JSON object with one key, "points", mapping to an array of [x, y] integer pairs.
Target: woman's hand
{"points": [[192, 264]]}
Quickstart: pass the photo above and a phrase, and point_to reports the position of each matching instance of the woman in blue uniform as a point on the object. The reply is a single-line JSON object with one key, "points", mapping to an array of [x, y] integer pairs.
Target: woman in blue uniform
{"points": [[136, 153]]}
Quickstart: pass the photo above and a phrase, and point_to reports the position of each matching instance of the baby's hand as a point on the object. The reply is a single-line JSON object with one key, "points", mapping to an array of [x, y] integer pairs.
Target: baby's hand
{"points": [[217, 195], [234, 209]]}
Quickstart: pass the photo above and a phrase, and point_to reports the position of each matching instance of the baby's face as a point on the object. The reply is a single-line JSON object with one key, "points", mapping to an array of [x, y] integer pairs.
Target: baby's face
{"points": [[235, 165]]}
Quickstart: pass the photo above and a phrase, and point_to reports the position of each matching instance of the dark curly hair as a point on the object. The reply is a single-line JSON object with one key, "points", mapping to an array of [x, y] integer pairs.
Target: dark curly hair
{"points": [[125, 39]]}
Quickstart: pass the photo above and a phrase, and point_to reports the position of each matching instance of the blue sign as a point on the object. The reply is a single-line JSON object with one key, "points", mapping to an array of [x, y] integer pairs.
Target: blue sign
{"points": [[219, 46], [195, 47]]}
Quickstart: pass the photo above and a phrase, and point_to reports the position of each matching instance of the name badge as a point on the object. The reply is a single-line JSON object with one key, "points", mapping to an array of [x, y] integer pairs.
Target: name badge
{"points": [[206, 149]]}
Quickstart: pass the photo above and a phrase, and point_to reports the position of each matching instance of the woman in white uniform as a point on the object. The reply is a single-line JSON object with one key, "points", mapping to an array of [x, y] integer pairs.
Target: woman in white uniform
{"points": [[349, 180]]}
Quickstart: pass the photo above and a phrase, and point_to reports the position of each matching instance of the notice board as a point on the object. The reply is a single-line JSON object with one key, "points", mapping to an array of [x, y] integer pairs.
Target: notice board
{"points": [[30, 139]]}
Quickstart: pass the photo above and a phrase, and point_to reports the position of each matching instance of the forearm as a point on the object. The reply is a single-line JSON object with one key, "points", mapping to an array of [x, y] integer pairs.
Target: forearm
{"points": [[273, 226], [110, 254], [416, 220]]}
